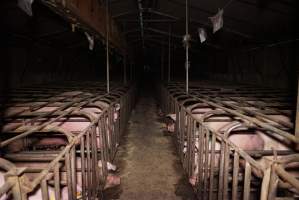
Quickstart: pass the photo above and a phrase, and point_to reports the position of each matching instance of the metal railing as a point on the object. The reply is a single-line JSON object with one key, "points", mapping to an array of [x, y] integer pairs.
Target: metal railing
{"points": [[79, 170], [220, 168]]}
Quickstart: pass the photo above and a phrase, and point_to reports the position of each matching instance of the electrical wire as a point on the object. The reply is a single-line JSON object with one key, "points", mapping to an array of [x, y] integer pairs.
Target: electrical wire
{"points": [[227, 4]]}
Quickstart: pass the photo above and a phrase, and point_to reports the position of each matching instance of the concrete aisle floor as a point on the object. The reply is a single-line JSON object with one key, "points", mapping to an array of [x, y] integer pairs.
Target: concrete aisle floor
{"points": [[148, 165]]}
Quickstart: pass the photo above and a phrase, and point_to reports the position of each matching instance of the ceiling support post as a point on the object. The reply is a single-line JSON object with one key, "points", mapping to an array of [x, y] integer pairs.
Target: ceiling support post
{"points": [[169, 53], [125, 68], [162, 63], [297, 117], [107, 48], [187, 38]]}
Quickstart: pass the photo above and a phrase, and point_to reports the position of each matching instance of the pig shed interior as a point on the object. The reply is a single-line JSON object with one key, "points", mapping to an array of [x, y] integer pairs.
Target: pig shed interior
{"points": [[149, 99]]}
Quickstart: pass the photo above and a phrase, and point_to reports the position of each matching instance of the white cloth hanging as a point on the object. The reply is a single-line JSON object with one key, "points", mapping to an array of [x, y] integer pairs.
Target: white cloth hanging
{"points": [[25, 5], [90, 39], [217, 21], [202, 34]]}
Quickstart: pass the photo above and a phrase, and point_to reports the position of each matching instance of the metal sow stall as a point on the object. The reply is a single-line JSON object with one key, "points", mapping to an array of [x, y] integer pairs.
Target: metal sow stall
{"points": [[234, 142], [58, 142]]}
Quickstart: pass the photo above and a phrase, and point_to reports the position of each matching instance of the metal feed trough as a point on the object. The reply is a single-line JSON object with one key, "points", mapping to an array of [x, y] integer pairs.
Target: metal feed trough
{"points": [[47, 113], [220, 168]]}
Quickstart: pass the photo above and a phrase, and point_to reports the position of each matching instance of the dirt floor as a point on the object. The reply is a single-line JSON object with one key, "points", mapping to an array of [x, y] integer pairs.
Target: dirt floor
{"points": [[148, 164]]}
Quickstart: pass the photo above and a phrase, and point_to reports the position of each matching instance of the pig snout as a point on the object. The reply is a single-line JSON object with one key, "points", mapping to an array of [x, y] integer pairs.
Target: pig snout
{"points": [[112, 181], [170, 127], [170, 122]]}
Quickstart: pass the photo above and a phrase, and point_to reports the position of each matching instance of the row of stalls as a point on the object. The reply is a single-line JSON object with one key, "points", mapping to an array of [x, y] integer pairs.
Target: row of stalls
{"points": [[234, 141], [59, 141]]}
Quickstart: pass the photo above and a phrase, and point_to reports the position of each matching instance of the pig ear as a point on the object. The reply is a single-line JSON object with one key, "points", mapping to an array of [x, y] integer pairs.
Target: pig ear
{"points": [[117, 106]]}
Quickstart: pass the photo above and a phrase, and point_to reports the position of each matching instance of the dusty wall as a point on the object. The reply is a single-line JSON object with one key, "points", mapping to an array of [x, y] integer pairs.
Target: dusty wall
{"points": [[270, 66], [36, 65]]}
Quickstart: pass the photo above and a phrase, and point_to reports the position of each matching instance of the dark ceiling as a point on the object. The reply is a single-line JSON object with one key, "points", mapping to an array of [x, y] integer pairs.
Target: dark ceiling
{"points": [[247, 23], [44, 28]]}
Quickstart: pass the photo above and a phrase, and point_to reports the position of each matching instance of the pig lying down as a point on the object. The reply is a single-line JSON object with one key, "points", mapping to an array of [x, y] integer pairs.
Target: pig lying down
{"points": [[52, 140], [111, 181], [73, 124], [244, 139], [247, 139], [170, 119]]}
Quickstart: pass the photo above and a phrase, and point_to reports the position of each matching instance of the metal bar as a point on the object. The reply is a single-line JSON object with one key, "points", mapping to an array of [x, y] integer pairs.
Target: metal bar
{"points": [[188, 145], [297, 117], [149, 21], [69, 154], [141, 23], [8, 185], [83, 167], [150, 10], [187, 46], [287, 176], [249, 159], [169, 52], [221, 172], [16, 190], [57, 182], [124, 13], [215, 103], [107, 48], [265, 184], [235, 176], [69, 176], [206, 166], [161, 32], [162, 62], [73, 170], [88, 166], [273, 183], [247, 181], [212, 166], [95, 156], [226, 171], [125, 68], [93, 161], [272, 45], [39, 127], [200, 159], [44, 188]]}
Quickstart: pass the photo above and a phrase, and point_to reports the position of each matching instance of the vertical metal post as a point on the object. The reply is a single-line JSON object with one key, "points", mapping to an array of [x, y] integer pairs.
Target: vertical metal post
{"points": [[107, 46], [187, 46], [297, 117], [169, 52], [125, 68], [162, 63]]}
